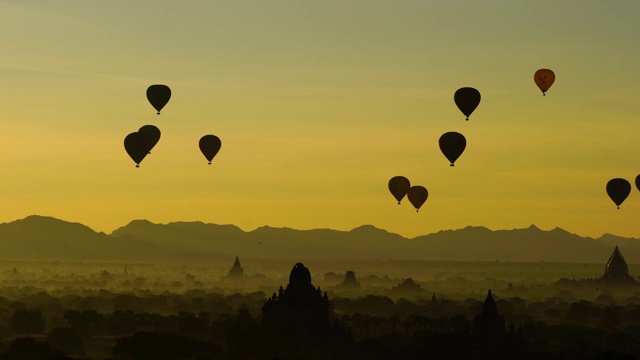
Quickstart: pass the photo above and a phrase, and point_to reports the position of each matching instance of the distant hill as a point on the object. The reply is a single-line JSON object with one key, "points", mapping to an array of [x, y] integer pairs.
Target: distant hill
{"points": [[46, 238], [530, 244]]}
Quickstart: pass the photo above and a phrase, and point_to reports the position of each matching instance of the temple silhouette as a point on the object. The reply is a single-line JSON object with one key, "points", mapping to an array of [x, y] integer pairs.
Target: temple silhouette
{"points": [[489, 325], [434, 301], [408, 288], [616, 270], [616, 275], [350, 282], [298, 322], [236, 271]]}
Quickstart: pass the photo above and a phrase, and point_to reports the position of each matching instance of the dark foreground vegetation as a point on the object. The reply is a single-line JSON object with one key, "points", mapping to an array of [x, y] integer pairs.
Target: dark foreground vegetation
{"points": [[573, 320]]}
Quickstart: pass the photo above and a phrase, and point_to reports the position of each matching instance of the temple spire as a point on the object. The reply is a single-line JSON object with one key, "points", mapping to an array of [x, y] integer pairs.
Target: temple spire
{"points": [[236, 270], [489, 324], [489, 306], [616, 269]]}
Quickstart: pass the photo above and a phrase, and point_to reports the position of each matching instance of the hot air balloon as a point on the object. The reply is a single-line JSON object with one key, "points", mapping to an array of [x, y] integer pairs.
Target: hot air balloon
{"points": [[467, 100], [151, 135], [136, 146], [417, 195], [399, 185], [638, 182], [618, 189], [158, 96], [544, 78], [210, 145], [452, 145]]}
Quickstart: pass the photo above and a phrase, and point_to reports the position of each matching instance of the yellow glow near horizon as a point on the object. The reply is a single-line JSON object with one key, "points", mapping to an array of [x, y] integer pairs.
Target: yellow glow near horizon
{"points": [[318, 104]]}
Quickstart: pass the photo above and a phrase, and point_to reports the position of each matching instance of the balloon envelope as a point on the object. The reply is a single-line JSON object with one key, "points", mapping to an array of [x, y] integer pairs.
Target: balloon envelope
{"points": [[150, 135], [136, 146], [399, 186], [467, 100], [638, 182], [452, 145], [618, 189], [417, 195], [210, 145], [158, 95], [544, 78]]}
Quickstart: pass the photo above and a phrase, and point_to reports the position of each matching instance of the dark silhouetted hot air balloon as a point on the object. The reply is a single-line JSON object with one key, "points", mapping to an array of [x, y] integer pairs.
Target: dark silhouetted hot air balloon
{"points": [[158, 96], [399, 185], [151, 135], [467, 100], [544, 78], [417, 195], [638, 182], [210, 145], [452, 145], [136, 146], [618, 189]]}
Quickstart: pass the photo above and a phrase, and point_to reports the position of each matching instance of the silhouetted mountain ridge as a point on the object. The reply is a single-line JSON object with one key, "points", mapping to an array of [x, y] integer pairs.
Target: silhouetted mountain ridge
{"points": [[529, 244], [40, 238], [46, 238]]}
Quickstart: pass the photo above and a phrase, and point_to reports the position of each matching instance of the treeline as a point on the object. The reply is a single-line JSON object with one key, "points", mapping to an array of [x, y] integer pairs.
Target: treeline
{"points": [[110, 325]]}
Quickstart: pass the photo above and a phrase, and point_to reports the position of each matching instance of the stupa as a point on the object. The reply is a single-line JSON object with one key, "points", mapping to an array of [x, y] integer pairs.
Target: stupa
{"points": [[616, 271], [489, 324], [236, 270]]}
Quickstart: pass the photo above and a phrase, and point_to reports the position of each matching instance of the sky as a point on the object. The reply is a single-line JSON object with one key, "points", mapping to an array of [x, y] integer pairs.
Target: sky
{"points": [[318, 103]]}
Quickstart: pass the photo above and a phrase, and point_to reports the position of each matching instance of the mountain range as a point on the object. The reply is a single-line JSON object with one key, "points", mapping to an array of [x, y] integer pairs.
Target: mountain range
{"points": [[46, 238]]}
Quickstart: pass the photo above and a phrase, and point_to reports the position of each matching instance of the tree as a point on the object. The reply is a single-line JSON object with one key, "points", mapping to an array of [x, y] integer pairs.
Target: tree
{"points": [[27, 322], [30, 348], [66, 340], [145, 345]]}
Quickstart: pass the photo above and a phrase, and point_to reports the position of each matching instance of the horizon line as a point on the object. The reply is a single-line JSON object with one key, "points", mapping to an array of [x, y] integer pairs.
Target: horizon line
{"points": [[311, 229]]}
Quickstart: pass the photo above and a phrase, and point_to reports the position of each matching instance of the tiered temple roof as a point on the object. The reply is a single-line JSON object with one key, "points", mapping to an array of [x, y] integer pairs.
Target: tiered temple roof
{"points": [[616, 269]]}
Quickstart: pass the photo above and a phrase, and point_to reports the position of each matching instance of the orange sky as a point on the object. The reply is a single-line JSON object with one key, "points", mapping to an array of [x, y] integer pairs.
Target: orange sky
{"points": [[318, 104]]}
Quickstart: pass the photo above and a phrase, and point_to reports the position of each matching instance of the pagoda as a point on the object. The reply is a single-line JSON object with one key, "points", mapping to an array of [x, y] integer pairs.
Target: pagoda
{"points": [[489, 324], [298, 322], [350, 281], [408, 288], [616, 270], [236, 271]]}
